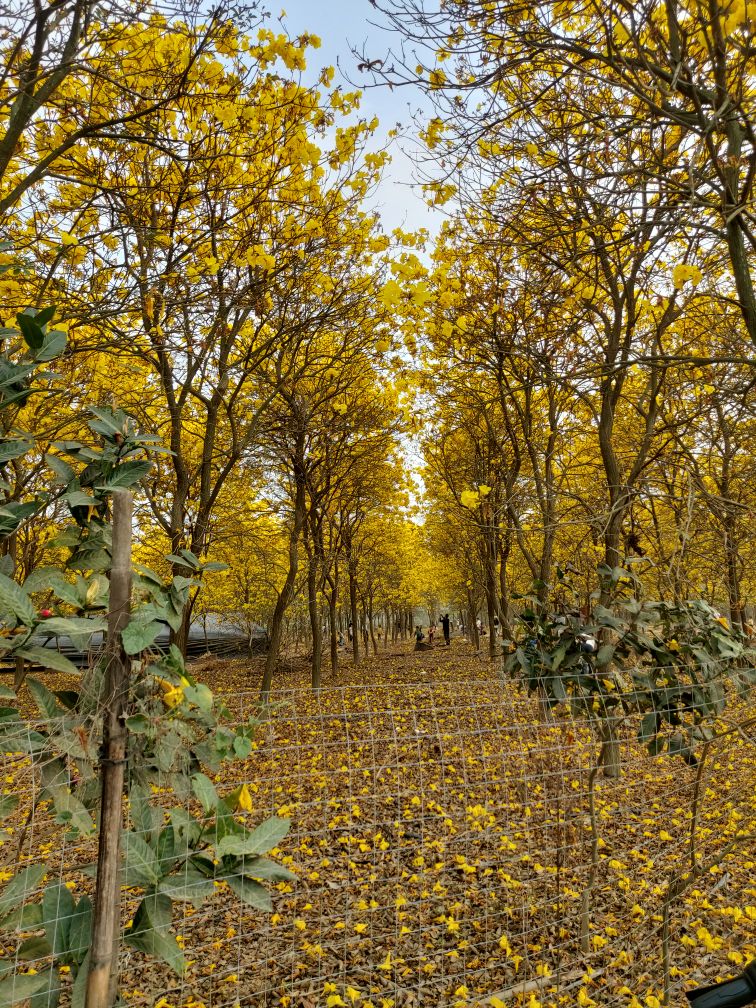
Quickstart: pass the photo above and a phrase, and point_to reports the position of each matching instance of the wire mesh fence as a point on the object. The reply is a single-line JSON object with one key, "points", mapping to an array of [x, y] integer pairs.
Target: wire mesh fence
{"points": [[453, 844]]}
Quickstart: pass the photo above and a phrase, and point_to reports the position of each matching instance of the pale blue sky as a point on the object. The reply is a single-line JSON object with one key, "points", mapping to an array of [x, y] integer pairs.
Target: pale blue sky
{"points": [[342, 24]]}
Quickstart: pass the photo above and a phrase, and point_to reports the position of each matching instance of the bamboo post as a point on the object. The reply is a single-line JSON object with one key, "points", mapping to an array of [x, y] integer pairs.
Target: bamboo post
{"points": [[103, 969]]}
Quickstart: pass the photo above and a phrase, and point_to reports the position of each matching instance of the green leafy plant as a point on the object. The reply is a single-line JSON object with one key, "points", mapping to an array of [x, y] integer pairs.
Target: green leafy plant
{"points": [[185, 840], [673, 663]]}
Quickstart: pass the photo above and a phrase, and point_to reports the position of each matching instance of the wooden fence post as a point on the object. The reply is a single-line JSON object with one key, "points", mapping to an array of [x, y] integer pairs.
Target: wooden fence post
{"points": [[102, 980]]}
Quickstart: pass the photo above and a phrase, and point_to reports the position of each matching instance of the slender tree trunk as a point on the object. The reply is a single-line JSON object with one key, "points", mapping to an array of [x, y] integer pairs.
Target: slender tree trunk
{"points": [[313, 610], [315, 627], [472, 620], [180, 637], [287, 591], [371, 627], [734, 220], [491, 608], [611, 755], [353, 609], [732, 560], [19, 674], [365, 630], [103, 970], [612, 549], [334, 633], [505, 609]]}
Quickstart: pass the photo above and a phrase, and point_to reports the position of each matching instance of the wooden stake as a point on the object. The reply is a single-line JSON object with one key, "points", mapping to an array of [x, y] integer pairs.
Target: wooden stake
{"points": [[102, 981]]}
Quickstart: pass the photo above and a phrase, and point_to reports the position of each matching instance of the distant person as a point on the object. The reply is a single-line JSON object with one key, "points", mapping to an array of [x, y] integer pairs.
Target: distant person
{"points": [[419, 635], [431, 632], [446, 628]]}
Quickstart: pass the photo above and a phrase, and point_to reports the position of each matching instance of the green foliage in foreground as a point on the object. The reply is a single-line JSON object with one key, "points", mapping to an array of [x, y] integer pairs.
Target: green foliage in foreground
{"points": [[672, 663], [185, 840]]}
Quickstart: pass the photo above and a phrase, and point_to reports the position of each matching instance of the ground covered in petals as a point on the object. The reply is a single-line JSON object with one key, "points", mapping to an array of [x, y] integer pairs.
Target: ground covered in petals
{"points": [[446, 854]]}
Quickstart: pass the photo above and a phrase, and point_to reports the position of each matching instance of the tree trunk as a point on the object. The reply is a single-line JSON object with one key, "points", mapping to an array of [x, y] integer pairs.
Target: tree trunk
{"points": [[505, 609], [353, 610], [734, 599], [180, 637], [315, 627], [334, 633], [371, 627], [472, 620], [611, 759], [287, 591], [612, 552], [103, 970]]}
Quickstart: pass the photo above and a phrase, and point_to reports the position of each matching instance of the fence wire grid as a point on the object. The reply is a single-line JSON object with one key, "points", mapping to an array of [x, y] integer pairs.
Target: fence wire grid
{"points": [[453, 844]]}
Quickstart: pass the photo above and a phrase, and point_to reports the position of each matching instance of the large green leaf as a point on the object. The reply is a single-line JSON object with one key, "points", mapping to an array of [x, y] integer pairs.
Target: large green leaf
{"points": [[263, 868], [201, 696], [44, 699], [71, 742], [77, 498], [205, 792], [648, 727], [225, 823], [188, 887], [70, 811], [62, 470], [13, 513], [150, 932], [185, 827], [53, 345], [146, 819], [33, 949], [26, 917], [126, 475], [16, 736], [171, 744], [139, 634], [48, 658], [250, 892], [21, 886], [79, 989], [186, 558], [57, 908], [31, 330], [78, 628], [10, 449], [49, 578], [49, 995], [111, 422], [267, 835], [605, 654], [15, 600], [20, 987], [140, 860], [79, 931]]}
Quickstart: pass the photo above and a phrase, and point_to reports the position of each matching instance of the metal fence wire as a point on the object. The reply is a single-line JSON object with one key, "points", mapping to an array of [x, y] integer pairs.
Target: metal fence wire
{"points": [[454, 844]]}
